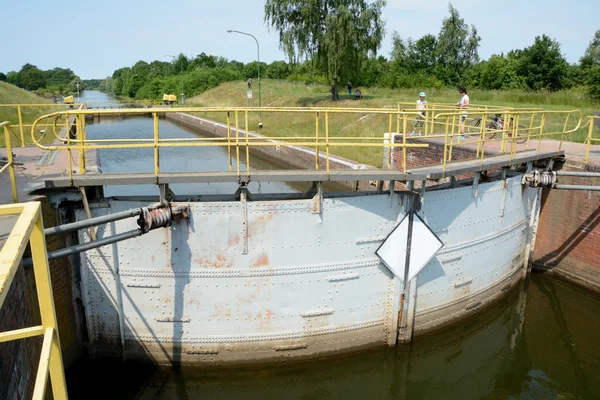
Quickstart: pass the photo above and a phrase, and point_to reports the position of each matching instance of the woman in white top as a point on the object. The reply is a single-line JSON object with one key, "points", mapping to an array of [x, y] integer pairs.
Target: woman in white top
{"points": [[463, 103]]}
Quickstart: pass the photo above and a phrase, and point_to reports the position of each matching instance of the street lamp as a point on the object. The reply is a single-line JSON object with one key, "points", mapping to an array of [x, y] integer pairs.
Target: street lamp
{"points": [[258, 56], [182, 94]]}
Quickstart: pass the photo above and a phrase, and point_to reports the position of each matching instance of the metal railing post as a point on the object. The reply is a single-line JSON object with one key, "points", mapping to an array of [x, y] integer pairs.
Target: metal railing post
{"points": [[11, 165], [46, 303], [229, 140], [317, 140], [589, 140], [156, 147], [562, 134], [21, 125], [404, 126], [247, 144], [237, 144], [327, 141]]}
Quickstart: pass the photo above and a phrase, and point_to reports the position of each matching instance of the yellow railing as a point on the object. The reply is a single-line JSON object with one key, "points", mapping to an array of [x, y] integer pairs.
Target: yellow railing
{"points": [[29, 228], [20, 108], [10, 165], [520, 128], [236, 139], [590, 136]]}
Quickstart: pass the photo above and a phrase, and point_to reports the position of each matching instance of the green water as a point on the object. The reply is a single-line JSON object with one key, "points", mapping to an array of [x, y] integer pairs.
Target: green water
{"points": [[540, 342]]}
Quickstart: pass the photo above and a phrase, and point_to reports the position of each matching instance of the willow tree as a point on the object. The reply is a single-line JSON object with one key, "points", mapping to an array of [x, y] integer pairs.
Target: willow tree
{"points": [[336, 35]]}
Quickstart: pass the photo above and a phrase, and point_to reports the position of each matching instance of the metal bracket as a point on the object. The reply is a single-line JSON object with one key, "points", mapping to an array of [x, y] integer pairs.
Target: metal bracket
{"points": [[476, 183], [243, 200], [317, 200], [165, 194]]}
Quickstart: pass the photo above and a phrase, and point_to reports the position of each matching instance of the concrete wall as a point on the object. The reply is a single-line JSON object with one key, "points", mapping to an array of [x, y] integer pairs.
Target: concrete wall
{"points": [[568, 240], [19, 359]]}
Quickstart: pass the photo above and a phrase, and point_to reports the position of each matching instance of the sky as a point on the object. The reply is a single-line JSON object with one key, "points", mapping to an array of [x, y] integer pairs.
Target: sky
{"points": [[95, 38]]}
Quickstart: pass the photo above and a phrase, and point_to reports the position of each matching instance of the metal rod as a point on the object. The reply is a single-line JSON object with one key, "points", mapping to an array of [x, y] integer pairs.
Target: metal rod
{"points": [[577, 187], [78, 248], [575, 173], [74, 226]]}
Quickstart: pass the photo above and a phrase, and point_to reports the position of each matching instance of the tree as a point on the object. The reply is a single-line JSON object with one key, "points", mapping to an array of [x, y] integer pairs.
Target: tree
{"points": [[13, 78], [456, 48], [338, 35], [543, 66], [3, 78], [591, 57], [590, 67], [32, 78]]}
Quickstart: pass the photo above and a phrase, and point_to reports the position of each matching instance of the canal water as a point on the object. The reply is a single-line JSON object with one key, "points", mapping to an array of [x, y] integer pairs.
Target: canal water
{"points": [[540, 342], [172, 159]]}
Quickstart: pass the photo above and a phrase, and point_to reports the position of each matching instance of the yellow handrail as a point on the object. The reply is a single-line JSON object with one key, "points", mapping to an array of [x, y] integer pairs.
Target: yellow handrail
{"points": [[29, 228]]}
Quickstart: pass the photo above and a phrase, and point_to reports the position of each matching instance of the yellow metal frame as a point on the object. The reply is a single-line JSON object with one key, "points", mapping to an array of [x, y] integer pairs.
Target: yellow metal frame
{"points": [[590, 136], [29, 228], [10, 166], [448, 120]]}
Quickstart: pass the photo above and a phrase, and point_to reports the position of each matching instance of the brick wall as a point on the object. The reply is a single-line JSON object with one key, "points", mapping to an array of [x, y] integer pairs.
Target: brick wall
{"points": [[19, 359], [568, 239]]}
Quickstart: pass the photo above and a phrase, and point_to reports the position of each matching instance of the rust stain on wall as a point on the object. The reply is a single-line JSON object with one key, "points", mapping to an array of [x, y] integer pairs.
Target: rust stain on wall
{"points": [[218, 261], [259, 224], [262, 261]]}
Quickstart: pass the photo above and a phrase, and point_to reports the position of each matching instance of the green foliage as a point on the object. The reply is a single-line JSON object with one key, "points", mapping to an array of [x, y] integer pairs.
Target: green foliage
{"points": [[278, 70], [32, 78], [92, 84], [338, 36], [455, 48], [3, 77], [14, 78], [590, 67], [543, 66], [59, 76]]}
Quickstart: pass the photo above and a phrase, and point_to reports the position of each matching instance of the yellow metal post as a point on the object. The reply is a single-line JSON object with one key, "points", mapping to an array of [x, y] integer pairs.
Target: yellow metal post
{"points": [[156, 147], [80, 146], [21, 126], [46, 302], [247, 145], [562, 134], [542, 123], [529, 131], [327, 141], [589, 140], [404, 123], [452, 136], [11, 168], [317, 140], [229, 141], [446, 143], [237, 144]]}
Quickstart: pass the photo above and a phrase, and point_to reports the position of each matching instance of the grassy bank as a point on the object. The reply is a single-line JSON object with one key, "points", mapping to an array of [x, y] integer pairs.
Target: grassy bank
{"points": [[10, 94], [296, 94]]}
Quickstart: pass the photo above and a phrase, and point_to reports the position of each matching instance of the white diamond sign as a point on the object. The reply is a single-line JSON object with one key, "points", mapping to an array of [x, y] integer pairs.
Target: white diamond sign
{"points": [[424, 245]]}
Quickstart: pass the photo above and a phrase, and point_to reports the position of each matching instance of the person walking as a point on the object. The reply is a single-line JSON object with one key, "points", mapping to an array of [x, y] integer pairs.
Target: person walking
{"points": [[249, 83], [463, 103], [421, 107], [349, 89]]}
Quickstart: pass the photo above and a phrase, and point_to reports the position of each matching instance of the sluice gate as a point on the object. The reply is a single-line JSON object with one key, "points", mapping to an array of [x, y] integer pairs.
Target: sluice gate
{"points": [[243, 277]]}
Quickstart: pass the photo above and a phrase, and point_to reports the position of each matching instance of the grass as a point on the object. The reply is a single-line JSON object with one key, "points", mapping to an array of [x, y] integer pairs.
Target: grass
{"points": [[10, 94], [296, 94]]}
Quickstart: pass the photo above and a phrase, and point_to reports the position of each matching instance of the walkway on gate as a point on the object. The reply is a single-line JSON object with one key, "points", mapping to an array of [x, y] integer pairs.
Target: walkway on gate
{"points": [[39, 165]]}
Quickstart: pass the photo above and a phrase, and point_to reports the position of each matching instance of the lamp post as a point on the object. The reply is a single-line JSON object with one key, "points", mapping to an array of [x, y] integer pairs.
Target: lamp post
{"points": [[258, 57], [182, 94]]}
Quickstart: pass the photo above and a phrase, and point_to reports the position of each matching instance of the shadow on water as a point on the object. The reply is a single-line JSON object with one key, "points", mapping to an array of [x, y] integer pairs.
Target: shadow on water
{"points": [[538, 342]]}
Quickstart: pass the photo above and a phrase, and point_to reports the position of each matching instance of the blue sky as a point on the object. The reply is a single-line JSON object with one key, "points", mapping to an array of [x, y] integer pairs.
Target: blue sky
{"points": [[95, 38]]}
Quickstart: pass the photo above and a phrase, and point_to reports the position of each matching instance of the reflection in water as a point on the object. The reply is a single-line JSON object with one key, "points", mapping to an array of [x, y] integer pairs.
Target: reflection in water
{"points": [[541, 342]]}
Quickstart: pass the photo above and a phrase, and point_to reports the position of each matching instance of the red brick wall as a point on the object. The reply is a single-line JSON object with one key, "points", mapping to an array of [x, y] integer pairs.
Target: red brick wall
{"points": [[568, 239]]}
